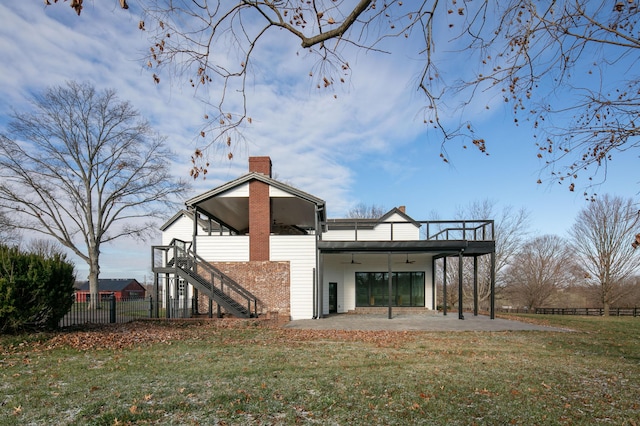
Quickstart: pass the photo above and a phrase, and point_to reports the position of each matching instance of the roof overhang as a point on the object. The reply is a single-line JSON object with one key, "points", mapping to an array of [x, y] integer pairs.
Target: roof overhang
{"points": [[436, 247], [229, 203]]}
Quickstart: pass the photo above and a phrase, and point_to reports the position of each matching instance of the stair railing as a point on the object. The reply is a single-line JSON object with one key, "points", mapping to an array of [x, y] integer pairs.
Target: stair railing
{"points": [[190, 260]]}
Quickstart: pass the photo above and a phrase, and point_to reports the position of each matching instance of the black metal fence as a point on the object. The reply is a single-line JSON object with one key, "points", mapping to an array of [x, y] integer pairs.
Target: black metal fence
{"points": [[108, 310], [618, 312]]}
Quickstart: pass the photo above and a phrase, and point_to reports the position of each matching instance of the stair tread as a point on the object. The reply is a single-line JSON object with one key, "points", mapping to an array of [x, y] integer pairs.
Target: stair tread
{"points": [[218, 294]]}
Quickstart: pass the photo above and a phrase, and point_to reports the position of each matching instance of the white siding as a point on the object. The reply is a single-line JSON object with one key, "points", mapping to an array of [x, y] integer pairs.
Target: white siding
{"points": [[334, 271], [339, 235], [223, 248], [276, 192], [239, 191], [406, 231], [181, 229], [300, 251], [344, 274], [402, 231]]}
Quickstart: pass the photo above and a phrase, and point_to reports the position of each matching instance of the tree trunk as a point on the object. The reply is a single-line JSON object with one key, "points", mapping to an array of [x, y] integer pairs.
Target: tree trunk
{"points": [[94, 272]]}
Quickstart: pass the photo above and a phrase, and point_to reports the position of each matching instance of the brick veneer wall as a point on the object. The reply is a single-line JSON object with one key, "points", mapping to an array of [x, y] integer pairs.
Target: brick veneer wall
{"points": [[268, 281]]}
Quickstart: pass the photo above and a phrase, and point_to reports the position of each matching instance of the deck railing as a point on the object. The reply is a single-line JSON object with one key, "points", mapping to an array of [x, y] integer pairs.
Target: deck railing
{"points": [[446, 230]]}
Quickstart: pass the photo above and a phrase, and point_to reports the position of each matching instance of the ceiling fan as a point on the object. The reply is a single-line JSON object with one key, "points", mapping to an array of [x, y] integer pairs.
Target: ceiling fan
{"points": [[353, 261], [407, 261]]}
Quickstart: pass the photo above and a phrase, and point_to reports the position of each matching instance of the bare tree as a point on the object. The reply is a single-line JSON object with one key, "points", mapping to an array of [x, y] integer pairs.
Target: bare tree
{"points": [[510, 232], [8, 232], [567, 67], [600, 240], [366, 211], [47, 249], [84, 168], [540, 268]]}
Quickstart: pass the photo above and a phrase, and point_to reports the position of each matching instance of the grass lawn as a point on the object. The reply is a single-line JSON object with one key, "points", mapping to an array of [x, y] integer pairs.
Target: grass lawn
{"points": [[213, 373]]}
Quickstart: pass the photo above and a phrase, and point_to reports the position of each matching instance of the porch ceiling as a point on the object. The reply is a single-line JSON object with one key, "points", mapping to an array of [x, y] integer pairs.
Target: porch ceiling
{"points": [[234, 211]]}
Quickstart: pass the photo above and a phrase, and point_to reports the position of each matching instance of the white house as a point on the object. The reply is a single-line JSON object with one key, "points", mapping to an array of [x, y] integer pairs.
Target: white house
{"points": [[256, 246]]}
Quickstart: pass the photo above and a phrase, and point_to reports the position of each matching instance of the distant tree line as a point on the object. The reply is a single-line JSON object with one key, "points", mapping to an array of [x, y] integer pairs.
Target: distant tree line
{"points": [[594, 266]]}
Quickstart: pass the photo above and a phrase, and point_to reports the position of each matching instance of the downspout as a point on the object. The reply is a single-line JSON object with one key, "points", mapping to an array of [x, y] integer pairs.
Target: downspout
{"points": [[315, 286], [433, 283], [195, 228], [193, 247], [318, 275]]}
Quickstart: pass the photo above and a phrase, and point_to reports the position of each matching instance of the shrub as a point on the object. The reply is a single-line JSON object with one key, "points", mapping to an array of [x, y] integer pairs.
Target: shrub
{"points": [[35, 291]]}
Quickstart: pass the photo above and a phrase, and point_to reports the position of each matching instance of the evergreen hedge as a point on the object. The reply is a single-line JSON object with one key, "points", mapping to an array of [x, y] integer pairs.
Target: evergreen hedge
{"points": [[35, 291]]}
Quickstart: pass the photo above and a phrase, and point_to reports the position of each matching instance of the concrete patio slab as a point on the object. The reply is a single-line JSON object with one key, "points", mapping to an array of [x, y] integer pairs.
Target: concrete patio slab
{"points": [[416, 322]]}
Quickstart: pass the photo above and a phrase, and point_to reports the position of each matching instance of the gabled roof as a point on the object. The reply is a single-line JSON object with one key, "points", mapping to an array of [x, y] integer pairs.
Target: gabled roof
{"points": [[109, 284], [371, 223], [228, 204], [203, 223], [399, 212], [247, 178]]}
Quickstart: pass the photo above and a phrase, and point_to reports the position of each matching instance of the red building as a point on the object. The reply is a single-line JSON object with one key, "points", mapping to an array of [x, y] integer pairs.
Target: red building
{"points": [[122, 288]]}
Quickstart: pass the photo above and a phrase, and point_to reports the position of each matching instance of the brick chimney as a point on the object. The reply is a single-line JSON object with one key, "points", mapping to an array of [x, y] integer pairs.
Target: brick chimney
{"points": [[402, 209], [260, 165], [259, 210]]}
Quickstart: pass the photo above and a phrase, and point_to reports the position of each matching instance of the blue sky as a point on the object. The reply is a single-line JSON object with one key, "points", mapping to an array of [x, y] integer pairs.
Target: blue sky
{"points": [[368, 144]]}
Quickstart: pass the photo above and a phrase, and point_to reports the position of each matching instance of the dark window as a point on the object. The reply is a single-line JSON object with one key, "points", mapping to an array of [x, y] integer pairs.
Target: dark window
{"points": [[372, 289]]}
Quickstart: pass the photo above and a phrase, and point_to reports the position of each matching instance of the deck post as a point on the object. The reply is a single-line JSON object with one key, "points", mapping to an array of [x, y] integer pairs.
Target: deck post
{"points": [[475, 286], [390, 284], [167, 298], [444, 286], [493, 286], [433, 284], [460, 264], [155, 307]]}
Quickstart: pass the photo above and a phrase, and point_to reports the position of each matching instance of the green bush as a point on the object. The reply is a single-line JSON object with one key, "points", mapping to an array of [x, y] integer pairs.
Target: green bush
{"points": [[35, 291]]}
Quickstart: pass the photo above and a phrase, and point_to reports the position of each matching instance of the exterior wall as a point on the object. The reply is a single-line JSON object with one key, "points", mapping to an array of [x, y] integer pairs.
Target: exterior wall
{"points": [[239, 191], [174, 290], [268, 281], [83, 296], [277, 192], [344, 275], [335, 272], [223, 248], [300, 251], [341, 235], [134, 290], [407, 231], [181, 229]]}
